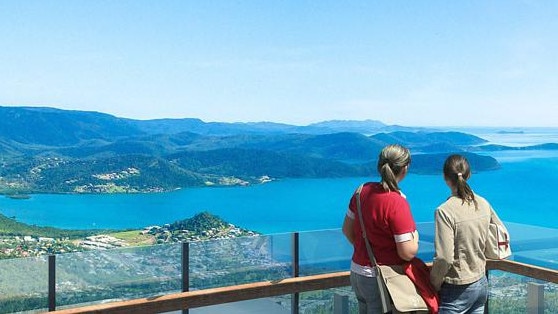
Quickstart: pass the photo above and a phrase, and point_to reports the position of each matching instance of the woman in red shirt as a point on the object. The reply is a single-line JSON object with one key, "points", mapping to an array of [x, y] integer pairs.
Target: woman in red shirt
{"points": [[390, 227]]}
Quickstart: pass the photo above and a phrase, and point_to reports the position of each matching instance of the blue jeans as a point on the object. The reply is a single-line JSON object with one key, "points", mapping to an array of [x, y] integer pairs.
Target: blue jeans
{"points": [[367, 294], [464, 299]]}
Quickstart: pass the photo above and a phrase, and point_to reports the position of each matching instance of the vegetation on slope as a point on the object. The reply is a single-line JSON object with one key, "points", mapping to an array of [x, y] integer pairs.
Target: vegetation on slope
{"points": [[11, 227]]}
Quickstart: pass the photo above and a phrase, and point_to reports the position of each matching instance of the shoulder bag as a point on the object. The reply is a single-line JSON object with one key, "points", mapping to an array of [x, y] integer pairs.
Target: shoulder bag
{"points": [[396, 289]]}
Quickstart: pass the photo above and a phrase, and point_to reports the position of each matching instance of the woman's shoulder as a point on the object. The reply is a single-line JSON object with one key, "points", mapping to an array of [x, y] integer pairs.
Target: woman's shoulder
{"points": [[480, 199], [450, 202], [447, 207], [371, 186], [482, 202]]}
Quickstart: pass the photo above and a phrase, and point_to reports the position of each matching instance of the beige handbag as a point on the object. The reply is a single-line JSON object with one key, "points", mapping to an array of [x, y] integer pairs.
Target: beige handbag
{"points": [[403, 292], [498, 241], [396, 289]]}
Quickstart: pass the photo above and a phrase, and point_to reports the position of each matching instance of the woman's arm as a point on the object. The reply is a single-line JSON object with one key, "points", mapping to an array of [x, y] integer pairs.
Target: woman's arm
{"points": [[408, 248], [444, 246]]}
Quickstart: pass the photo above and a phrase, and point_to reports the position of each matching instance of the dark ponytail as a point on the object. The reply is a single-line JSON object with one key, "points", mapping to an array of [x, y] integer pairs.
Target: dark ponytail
{"points": [[457, 171]]}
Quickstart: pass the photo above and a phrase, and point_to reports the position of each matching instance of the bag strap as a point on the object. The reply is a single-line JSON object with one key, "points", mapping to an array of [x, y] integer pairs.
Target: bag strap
{"points": [[363, 230], [386, 303]]}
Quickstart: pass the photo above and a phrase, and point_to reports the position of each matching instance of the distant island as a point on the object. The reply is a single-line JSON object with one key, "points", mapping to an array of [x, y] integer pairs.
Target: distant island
{"points": [[511, 132], [89, 152]]}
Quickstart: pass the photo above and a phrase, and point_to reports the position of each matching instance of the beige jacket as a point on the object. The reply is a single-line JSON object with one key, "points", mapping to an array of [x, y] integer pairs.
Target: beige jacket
{"points": [[460, 240]]}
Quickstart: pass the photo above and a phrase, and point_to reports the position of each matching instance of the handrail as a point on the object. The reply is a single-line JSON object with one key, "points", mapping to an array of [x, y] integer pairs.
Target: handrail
{"points": [[523, 269], [207, 297], [213, 296]]}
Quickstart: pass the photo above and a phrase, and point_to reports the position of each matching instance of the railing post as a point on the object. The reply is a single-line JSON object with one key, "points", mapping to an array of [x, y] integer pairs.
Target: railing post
{"points": [[340, 304], [535, 298], [52, 283], [295, 296], [185, 270]]}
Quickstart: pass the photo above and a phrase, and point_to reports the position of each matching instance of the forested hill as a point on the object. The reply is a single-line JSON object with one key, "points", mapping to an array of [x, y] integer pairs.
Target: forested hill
{"points": [[47, 150]]}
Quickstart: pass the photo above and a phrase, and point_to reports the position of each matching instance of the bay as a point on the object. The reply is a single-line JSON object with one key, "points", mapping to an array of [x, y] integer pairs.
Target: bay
{"points": [[522, 191]]}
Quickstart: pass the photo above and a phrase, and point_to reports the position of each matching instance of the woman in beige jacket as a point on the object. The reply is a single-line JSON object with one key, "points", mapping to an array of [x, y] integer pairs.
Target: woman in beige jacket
{"points": [[458, 270]]}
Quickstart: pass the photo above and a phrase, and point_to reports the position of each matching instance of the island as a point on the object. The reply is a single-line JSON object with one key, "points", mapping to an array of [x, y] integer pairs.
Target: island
{"points": [[18, 196]]}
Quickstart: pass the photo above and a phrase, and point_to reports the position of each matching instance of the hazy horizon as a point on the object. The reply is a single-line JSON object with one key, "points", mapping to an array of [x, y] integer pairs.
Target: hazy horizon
{"points": [[488, 128]]}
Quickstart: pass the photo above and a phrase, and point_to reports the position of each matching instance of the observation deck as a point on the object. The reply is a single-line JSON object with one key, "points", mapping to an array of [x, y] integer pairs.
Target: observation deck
{"points": [[302, 272]]}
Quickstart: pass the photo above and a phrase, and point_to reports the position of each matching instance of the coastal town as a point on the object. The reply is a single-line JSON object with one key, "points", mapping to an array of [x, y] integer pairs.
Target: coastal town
{"points": [[17, 246]]}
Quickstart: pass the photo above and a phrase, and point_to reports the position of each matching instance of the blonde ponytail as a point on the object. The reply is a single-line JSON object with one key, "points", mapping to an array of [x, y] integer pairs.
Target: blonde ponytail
{"points": [[391, 161]]}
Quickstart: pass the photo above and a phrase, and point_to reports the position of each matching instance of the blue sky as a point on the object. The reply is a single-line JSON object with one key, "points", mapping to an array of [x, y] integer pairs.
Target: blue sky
{"points": [[415, 63]]}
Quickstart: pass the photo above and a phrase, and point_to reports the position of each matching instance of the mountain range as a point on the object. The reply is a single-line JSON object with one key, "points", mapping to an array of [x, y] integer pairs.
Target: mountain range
{"points": [[49, 150]]}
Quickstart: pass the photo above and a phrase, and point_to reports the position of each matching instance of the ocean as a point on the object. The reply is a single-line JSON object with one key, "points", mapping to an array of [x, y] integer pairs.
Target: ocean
{"points": [[521, 191]]}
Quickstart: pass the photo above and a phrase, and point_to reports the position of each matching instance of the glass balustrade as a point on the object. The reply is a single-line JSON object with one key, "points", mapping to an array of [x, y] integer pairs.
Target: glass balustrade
{"points": [[23, 284], [99, 275]]}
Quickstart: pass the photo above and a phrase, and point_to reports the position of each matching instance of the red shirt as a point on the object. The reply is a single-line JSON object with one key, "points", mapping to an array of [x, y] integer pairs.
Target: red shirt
{"points": [[385, 214]]}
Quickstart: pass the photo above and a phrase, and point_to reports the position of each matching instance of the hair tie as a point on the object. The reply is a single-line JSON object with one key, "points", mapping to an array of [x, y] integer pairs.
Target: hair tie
{"points": [[459, 174]]}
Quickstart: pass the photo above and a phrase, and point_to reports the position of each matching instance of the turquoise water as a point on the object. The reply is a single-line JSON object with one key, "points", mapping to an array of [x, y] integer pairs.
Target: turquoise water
{"points": [[521, 191]]}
